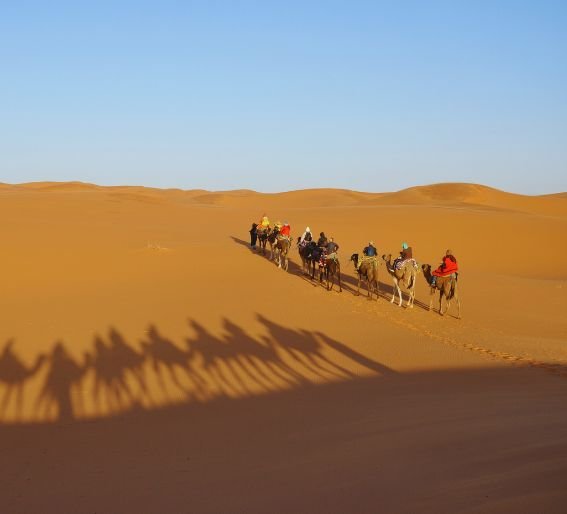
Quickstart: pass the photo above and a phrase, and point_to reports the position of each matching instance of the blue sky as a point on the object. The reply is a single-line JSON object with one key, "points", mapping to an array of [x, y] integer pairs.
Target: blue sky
{"points": [[272, 96]]}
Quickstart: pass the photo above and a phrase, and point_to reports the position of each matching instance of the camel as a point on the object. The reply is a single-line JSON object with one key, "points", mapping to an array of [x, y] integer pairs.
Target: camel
{"points": [[369, 271], [332, 269], [404, 276], [14, 373], [305, 252], [317, 256], [447, 287], [273, 240], [263, 234], [282, 247], [310, 257]]}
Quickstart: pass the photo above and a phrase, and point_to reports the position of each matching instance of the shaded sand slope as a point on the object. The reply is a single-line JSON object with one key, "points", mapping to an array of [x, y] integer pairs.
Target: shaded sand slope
{"points": [[143, 344], [435, 442]]}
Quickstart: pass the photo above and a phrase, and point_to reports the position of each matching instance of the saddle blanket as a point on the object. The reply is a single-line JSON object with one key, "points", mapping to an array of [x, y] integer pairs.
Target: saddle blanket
{"points": [[399, 263]]}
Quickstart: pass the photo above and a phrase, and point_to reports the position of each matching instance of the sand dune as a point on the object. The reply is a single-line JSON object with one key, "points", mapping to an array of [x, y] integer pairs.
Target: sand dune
{"points": [[143, 343]]}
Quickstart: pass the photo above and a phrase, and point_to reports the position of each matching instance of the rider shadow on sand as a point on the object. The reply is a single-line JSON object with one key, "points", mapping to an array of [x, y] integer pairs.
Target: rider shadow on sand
{"points": [[14, 374], [308, 350], [112, 365], [114, 377], [58, 392], [164, 354]]}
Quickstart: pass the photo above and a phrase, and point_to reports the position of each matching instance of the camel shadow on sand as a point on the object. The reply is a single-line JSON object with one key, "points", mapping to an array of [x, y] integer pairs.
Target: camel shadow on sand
{"points": [[115, 376]]}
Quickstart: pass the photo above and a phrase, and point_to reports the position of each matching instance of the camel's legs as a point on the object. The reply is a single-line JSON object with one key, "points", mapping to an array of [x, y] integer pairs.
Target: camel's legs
{"points": [[6, 398], [20, 399], [411, 298], [396, 288], [411, 293]]}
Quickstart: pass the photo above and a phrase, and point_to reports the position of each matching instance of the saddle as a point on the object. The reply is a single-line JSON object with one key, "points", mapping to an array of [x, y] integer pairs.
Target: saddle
{"points": [[451, 278], [400, 263]]}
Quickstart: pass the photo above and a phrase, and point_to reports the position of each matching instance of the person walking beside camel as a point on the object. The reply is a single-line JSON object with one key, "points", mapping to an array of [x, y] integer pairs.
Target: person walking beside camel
{"points": [[253, 236]]}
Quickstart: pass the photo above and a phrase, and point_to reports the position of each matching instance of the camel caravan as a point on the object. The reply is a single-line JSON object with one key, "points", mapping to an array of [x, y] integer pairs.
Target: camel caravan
{"points": [[322, 256]]}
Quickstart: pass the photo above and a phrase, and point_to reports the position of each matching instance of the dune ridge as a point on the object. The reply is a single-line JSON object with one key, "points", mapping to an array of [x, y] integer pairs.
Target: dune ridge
{"points": [[444, 195]]}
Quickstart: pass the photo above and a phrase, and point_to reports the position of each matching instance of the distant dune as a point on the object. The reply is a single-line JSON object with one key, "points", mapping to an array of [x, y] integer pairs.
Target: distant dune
{"points": [[435, 194]]}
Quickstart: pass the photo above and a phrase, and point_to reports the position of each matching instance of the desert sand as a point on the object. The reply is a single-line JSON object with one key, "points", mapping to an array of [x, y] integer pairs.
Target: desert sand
{"points": [[151, 362]]}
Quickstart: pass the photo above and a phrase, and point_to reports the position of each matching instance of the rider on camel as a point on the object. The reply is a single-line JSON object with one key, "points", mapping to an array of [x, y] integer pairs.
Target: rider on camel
{"points": [[446, 268], [285, 231], [264, 223], [332, 249], [322, 245], [306, 237], [369, 253], [405, 255]]}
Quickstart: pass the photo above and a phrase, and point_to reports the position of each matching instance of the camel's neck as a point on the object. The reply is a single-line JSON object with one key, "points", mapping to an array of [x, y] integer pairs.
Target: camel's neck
{"points": [[36, 366], [389, 266]]}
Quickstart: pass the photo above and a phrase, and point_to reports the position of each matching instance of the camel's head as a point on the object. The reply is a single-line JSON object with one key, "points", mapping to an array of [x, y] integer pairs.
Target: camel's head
{"points": [[387, 258], [354, 258], [426, 268]]}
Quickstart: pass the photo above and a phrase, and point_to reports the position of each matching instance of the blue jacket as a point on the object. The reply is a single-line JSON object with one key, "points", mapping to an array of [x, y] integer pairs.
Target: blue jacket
{"points": [[369, 251]]}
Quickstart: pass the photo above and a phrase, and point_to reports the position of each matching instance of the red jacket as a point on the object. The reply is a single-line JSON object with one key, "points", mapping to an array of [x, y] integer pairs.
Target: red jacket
{"points": [[285, 231], [447, 267]]}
